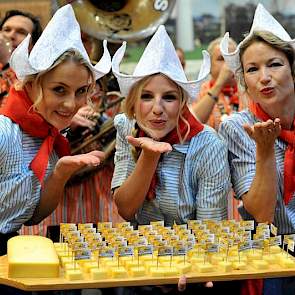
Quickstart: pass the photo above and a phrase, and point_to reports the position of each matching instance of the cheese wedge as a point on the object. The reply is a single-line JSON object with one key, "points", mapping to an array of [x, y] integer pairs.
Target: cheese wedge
{"points": [[32, 257]]}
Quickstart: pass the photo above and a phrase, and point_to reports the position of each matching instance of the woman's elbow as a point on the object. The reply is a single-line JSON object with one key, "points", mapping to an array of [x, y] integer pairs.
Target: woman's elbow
{"points": [[124, 211]]}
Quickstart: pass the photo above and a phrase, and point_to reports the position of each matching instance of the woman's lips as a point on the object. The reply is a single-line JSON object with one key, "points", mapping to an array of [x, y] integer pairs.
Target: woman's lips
{"points": [[267, 90], [65, 115], [158, 123]]}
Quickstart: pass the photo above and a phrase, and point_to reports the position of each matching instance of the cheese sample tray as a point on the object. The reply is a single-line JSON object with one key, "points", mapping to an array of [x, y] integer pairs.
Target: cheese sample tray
{"points": [[216, 273], [106, 256]]}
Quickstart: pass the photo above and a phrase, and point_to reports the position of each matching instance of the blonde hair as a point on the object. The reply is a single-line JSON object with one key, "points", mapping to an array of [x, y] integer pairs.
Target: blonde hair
{"points": [[36, 79], [135, 94]]}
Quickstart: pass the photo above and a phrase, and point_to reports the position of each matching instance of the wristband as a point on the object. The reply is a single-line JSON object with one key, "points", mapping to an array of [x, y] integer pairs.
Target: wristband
{"points": [[214, 97]]}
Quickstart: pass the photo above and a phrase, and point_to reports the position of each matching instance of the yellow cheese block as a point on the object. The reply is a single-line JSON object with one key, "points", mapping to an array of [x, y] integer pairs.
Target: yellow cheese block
{"points": [[149, 264], [157, 271], [118, 272], [133, 263], [98, 273], [286, 262], [171, 271], [71, 265], [32, 257], [239, 265], [270, 258], [237, 258], [89, 265], [275, 249], [183, 268], [260, 264], [254, 256], [215, 259], [146, 258], [73, 274], [203, 267], [83, 261], [225, 266], [136, 271], [64, 260]]}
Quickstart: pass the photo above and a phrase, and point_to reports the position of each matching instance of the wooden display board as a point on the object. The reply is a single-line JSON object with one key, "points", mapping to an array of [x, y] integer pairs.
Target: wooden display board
{"points": [[39, 8], [60, 283]]}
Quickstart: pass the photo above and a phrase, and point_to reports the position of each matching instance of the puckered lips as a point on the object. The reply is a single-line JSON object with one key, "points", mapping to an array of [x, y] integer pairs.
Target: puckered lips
{"points": [[158, 123], [267, 91]]}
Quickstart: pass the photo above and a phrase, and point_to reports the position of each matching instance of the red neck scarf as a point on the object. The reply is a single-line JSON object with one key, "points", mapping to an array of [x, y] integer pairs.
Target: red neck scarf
{"points": [[289, 164], [230, 91], [172, 138], [19, 109]]}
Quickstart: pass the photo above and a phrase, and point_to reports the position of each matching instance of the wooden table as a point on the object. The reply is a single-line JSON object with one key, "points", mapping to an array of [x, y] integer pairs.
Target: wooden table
{"points": [[60, 283]]}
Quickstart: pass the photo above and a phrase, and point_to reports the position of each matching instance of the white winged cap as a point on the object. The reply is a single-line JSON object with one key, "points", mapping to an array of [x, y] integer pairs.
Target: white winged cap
{"points": [[159, 56], [61, 34], [263, 21]]}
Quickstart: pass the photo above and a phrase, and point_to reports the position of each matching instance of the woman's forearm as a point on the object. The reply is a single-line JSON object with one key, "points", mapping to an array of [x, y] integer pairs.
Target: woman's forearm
{"points": [[204, 107], [51, 194], [260, 201], [131, 194]]}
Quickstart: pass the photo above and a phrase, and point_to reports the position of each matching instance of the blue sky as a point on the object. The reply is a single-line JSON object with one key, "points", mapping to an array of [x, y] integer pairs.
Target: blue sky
{"points": [[200, 7]]}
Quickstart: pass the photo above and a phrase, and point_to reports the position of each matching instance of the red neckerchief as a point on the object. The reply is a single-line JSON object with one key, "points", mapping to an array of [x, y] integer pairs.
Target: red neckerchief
{"points": [[230, 91], [19, 109], [289, 164], [172, 138]]}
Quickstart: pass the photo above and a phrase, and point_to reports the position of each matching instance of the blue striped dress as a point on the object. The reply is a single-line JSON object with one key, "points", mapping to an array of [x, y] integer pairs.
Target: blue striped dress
{"points": [[19, 187], [194, 181], [242, 159]]}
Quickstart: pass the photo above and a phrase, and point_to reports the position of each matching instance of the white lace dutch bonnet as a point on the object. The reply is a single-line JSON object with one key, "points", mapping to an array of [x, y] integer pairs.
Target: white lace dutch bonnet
{"points": [[262, 21], [159, 56], [61, 34]]}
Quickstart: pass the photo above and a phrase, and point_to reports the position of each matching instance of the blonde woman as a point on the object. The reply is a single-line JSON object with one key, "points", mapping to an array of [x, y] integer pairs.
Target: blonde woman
{"points": [[34, 155], [261, 139], [168, 166]]}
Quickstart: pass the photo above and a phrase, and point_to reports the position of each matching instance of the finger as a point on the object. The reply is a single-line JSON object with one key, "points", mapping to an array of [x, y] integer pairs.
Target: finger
{"points": [[98, 154], [181, 284], [85, 122], [164, 147], [133, 141], [248, 129], [209, 284], [277, 127]]}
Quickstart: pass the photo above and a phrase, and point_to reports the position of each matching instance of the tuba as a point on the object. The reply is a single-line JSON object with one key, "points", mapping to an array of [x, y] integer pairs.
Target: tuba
{"points": [[120, 20]]}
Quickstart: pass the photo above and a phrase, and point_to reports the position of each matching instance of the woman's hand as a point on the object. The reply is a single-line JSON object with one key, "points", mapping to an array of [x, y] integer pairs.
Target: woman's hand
{"points": [[264, 134], [149, 144], [68, 165], [81, 118]]}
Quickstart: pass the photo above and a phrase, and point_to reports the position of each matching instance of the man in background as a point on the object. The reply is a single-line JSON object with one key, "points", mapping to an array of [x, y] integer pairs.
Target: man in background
{"points": [[14, 27]]}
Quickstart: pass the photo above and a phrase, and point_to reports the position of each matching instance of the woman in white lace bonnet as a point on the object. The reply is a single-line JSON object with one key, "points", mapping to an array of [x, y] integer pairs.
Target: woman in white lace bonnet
{"points": [[261, 139], [56, 79]]}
